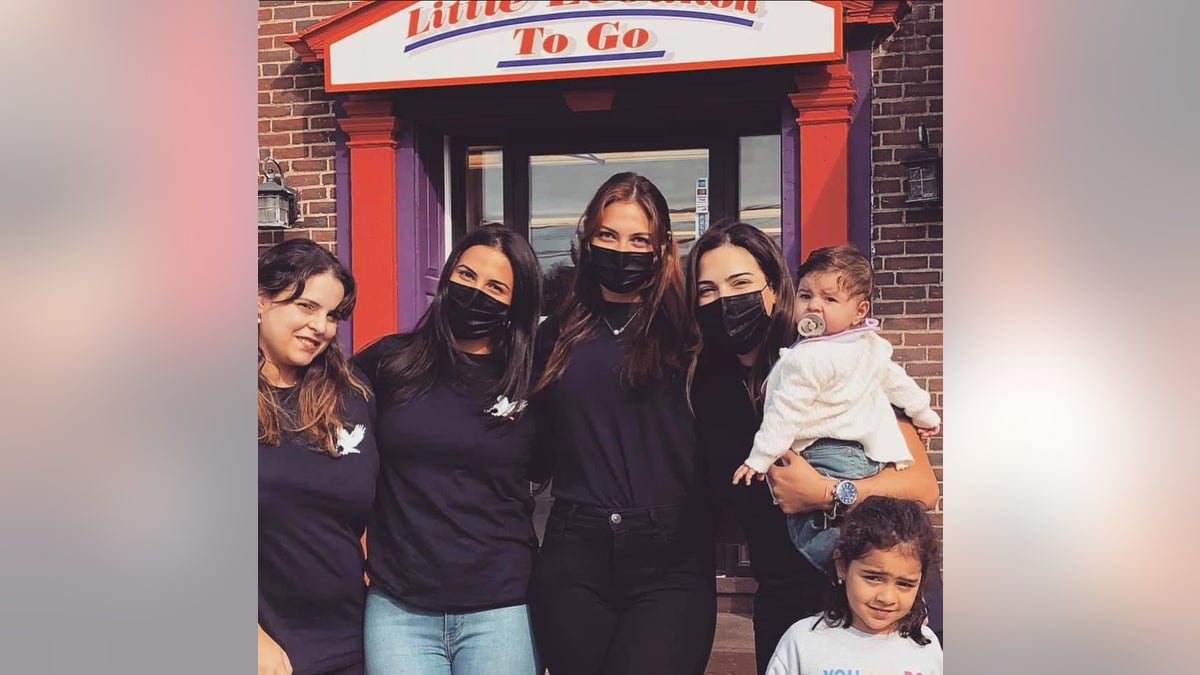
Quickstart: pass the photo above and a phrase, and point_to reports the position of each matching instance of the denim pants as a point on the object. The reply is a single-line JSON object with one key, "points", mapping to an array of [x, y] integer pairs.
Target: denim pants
{"points": [[403, 640], [625, 591], [812, 535]]}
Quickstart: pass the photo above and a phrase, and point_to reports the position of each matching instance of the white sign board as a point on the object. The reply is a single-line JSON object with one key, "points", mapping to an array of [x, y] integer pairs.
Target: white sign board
{"points": [[440, 43]]}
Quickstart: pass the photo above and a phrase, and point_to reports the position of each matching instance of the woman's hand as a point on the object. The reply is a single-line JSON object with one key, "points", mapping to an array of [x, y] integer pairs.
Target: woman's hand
{"points": [[271, 658], [798, 487]]}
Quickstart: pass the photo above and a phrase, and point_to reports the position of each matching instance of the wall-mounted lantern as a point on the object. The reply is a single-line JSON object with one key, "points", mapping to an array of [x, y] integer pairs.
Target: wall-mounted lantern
{"points": [[276, 202], [924, 169]]}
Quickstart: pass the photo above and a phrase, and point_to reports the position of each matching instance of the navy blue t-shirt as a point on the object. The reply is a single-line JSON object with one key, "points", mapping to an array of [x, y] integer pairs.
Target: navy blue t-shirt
{"points": [[312, 510], [608, 444], [452, 527]]}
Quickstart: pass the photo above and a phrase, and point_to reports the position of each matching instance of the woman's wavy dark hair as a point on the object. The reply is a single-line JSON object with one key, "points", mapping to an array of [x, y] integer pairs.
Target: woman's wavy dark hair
{"points": [[782, 330], [283, 271], [663, 333], [879, 523], [427, 354]]}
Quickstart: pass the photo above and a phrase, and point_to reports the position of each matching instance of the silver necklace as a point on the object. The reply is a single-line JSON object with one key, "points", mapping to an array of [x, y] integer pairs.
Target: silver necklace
{"points": [[618, 331]]}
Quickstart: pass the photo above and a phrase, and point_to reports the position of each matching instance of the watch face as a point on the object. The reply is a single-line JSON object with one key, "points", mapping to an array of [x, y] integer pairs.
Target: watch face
{"points": [[845, 492]]}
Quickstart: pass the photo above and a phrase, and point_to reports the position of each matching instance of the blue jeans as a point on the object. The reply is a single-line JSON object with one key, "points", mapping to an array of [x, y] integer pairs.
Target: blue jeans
{"points": [[402, 640], [813, 537]]}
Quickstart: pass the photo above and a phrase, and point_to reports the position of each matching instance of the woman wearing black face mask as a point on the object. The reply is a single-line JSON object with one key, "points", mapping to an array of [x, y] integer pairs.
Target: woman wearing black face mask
{"points": [[450, 544], [624, 581], [740, 289]]}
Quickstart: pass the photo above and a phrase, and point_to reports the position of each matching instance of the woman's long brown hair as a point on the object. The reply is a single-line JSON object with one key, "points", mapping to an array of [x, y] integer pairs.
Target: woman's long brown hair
{"points": [[282, 273], [661, 327]]}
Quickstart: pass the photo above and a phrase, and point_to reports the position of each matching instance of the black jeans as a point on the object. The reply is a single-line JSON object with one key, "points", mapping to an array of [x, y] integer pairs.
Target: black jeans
{"points": [[778, 604], [625, 591]]}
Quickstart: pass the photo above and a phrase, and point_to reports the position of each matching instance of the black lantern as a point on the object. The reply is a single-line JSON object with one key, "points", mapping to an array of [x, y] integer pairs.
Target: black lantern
{"points": [[924, 169], [276, 202]]}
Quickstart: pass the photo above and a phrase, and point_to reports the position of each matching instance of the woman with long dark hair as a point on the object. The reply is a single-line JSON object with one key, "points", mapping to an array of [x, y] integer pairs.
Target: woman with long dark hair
{"points": [[624, 580], [451, 542], [742, 295], [316, 467]]}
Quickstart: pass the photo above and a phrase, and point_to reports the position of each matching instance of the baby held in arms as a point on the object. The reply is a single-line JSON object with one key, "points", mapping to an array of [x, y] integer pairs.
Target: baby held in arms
{"points": [[830, 396]]}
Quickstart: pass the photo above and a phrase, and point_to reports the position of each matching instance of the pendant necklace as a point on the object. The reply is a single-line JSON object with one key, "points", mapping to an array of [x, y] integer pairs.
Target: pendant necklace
{"points": [[615, 330]]}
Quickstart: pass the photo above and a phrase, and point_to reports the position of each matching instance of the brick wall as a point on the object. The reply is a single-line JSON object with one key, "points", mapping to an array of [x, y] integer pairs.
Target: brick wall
{"points": [[907, 240], [295, 117]]}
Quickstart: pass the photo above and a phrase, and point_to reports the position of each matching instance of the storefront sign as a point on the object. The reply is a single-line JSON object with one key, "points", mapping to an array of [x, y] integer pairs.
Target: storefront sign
{"points": [[477, 41]]}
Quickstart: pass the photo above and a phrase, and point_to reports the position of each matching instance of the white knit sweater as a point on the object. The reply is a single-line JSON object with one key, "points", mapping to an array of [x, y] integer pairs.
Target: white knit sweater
{"points": [[843, 387]]}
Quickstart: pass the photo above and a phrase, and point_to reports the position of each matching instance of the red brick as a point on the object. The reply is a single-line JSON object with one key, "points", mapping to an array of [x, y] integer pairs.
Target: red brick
{"points": [[272, 140], [321, 207], [903, 107], [923, 307], [329, 8], [935, 291], [887, 217], [887, 61], [310, 81], [265, 43], [264, 126], [329, 236], [264, 14], [935, 354], [881, 155], [298, 180], [311, 165], [923, 339], [886, 124], [924, 59], [305, 23], [906, 263], [902, 293], [315, 108], [289, 124], [888, 91], [264, 97], [275, 111], [925, 213], [935, 323], [903, 233], [289, 96], [328, 122], [327, 151], [923, 369], [884, 279], [294, 152], [298, 12], [923, 247], [269, 70], [900, 138], [889, 169], [296, 234], [935, 383], [888, 248], [934, 74], [919, 278], [312, 137], [328, 178], [889, 308], [930, 121], [276, 82], [276, 56], [909, 355], [280, 28], [907, 323], [309, 194], [930, 28]]}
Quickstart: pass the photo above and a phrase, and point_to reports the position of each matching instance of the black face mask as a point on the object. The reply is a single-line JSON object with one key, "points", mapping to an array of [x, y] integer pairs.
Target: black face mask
{"points": [[620, 271], [736, 322], [471, 313]]}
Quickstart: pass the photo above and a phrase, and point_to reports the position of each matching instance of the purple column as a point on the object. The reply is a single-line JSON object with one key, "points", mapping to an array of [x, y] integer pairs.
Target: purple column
{"points": [[859, 160]]}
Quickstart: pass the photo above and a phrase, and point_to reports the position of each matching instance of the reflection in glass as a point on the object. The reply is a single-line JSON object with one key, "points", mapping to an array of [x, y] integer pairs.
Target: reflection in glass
{"points": [[485, 186], [759, 201], [562, 185]]}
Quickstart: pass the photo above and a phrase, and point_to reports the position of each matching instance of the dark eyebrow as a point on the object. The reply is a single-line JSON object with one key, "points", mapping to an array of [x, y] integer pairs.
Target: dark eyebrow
{"points": [[465, 267], [735, 275]]}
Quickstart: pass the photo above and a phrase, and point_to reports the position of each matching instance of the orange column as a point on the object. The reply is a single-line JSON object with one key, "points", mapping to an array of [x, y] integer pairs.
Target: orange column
{"points": [[370, 128], [823, 99]]}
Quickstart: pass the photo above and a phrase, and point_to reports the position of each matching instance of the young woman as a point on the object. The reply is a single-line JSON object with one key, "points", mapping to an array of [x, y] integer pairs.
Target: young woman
{"points": [[624, 580], [316, 467], [451, 543], [741, 292]]}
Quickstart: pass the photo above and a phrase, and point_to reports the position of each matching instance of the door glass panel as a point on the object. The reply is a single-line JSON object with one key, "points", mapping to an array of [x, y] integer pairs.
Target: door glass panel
{"points": [[759, 183], [562, 185], [485, 186]]}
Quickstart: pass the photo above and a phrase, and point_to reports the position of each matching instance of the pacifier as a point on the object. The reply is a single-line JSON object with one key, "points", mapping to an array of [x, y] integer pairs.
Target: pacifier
{"points": [[811, 325]]}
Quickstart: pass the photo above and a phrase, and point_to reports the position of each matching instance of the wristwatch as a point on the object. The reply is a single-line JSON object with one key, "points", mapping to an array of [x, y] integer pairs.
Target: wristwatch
{"points": [[845, 493]]}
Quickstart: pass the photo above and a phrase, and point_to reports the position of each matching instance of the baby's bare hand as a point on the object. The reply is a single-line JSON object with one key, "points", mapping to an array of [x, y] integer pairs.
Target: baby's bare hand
{"points": [[745, 474], [928, 432]]}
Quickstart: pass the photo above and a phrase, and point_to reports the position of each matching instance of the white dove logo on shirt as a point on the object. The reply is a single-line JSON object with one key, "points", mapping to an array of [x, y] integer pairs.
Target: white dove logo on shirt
{"points": [[347, 443], [505, 408]]}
